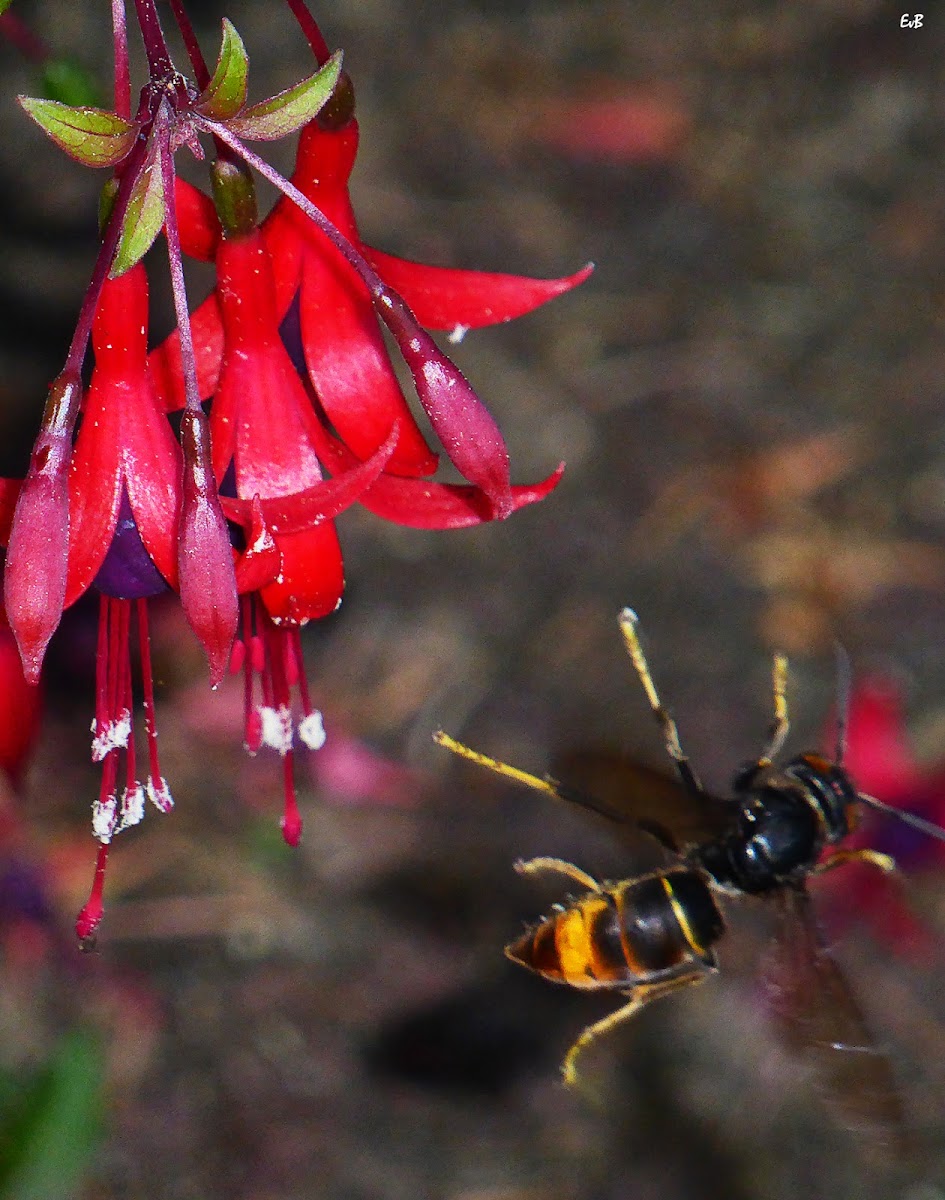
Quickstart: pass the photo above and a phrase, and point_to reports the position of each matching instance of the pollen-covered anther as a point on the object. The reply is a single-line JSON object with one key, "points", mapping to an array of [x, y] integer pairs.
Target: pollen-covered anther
{"points": [[159, 793], [112, 735], [276, 728], [104, 818], [132, 807], [312, 730]]}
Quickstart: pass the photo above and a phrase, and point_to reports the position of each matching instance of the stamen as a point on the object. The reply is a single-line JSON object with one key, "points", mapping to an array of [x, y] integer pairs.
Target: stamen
{"points": [[159, 793], [132, 807], [312, 730], [111, 735], [291, 823], [277, 728], [103, 817], [91, 915], [157, 785]]}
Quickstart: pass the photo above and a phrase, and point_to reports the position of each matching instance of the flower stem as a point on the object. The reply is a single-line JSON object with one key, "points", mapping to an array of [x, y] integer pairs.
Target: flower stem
{"points": [[155, 45], [176, 262], [122, 71], [312, 33], [194, 53]]}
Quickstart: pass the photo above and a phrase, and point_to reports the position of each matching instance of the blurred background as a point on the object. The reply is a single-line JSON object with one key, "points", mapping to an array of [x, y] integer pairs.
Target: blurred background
{"points": [[749, 394]]}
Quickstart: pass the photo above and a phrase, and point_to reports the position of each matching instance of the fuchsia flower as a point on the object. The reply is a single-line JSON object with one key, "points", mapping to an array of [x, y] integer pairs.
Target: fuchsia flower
{"points": [[124, 497], [355, 389], [882, 763], [240, 506]]}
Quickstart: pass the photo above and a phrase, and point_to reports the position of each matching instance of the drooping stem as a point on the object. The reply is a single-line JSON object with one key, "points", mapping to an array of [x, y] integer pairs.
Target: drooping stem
{"points": [[312, 33], [122, 69], [380, 292], [155, 44], [176, 262], [131, 169], [194, 53]]}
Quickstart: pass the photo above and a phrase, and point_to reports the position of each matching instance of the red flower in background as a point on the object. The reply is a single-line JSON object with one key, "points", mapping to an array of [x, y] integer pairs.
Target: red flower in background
{"points": [[20, 711], [882, 764]]}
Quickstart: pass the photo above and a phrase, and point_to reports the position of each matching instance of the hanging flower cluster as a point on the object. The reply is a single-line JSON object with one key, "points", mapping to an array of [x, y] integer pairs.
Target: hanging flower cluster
{"points": [[290, 406]]}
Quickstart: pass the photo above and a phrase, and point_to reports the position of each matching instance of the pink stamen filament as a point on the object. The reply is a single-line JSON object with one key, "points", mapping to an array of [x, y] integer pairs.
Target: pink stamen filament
{"points": [[150, 722]]}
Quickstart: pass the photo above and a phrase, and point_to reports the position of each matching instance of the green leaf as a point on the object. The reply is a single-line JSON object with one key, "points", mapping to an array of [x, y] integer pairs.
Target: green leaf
{"points": [[225, 94], [92, 136], [144, 217], [290, 110], [49, 1136], [4, 5], [66, 80]]}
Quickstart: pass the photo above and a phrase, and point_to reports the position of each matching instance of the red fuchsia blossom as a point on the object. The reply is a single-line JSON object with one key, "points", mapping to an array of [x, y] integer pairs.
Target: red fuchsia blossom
{"points": [[356, 391], [270, 424], [882, 763], [124, 499], [290, 354]]}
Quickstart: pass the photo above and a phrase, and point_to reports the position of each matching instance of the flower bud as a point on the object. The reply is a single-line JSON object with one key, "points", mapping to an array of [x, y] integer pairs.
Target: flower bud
{"points": [[205, 558], [38, 551]]}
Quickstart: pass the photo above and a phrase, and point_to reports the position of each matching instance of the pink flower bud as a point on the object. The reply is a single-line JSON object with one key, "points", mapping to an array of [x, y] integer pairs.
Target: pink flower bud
{"points": [[205, 557], [37, 555]]}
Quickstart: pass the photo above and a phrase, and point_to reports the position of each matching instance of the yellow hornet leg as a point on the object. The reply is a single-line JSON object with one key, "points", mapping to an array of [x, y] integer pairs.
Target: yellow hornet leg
{"points": [[534, 866], [591, 1033], [644, 994], [628, 621], [780, 725], [875, 858]]}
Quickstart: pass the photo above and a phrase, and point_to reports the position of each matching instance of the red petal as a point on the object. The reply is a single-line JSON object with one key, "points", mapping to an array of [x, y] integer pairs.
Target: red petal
{"points": [[166, 371], [200, 231], [9, 490], [261, 412], [447, 298], [311, 578], [20, 709], [344, 347], [125, 442], [260, 562], [422, 504], [322, 502]]}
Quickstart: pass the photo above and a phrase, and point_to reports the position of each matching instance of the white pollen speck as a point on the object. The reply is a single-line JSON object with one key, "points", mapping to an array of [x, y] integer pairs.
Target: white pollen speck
{"points": [[160, 794], [312, 730], [115, 736], [276, 728], [132, 807], [103, 818], [415, 345], [456, 334]]}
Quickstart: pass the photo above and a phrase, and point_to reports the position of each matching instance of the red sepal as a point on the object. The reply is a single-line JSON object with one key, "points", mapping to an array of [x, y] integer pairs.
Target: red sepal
{"points": [[448, 297], [423, 504], [197, 219], [321, 502]]}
